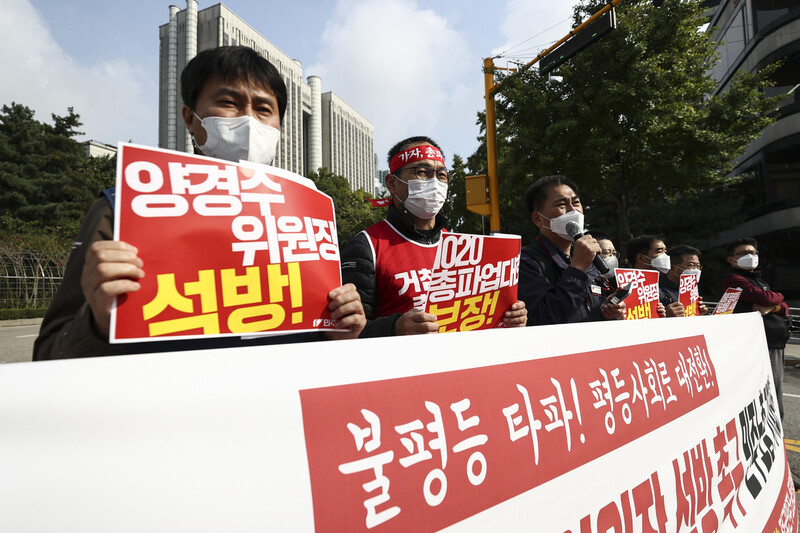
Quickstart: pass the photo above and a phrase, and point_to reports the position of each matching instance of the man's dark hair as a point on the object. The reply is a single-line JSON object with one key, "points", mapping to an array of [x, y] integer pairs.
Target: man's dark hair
{"points": [[676, 253], [739, 242], [231, 63], [537, 192], [640, 245], [405, 143], [600, 235]]}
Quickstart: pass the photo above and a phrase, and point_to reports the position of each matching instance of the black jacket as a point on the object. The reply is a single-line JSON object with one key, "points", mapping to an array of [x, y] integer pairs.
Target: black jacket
{"points": [[756, 291], [553, 291], [668, 292]]}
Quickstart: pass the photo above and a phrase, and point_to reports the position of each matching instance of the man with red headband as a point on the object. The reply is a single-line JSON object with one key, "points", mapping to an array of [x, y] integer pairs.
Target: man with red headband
{"points": [[390, 262]]}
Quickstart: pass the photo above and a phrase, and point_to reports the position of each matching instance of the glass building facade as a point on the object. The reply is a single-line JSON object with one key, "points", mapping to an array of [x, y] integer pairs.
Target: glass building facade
{"points": [[753, 34]]}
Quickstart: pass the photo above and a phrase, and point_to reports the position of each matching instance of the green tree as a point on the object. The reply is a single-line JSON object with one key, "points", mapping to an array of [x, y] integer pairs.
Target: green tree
{"points": [[633, 119], [45, 175], [353, 212], [460, 219]]}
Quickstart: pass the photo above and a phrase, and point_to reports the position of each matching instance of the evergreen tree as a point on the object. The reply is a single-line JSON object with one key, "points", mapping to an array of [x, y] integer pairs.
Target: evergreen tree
{"points": [[633, 120], [45, 175]]}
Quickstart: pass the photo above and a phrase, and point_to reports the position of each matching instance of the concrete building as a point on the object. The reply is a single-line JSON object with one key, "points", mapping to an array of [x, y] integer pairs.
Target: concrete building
{"points": [[754, 34], [98, 149], [304, 140], [350, 151]]}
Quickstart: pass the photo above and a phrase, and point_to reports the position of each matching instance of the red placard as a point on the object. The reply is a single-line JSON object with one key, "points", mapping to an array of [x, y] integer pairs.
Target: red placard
{"points": [[688, 294], [728, 301], [473, 281], [643, 301], [228, 249], [379, 202], [424, 452]]}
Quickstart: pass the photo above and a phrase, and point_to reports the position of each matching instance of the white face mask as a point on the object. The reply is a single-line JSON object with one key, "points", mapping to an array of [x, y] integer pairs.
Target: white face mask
{"points": [[612, 263], [425, 197], [748, 261], [558, 225], [661, 263], [239, 138]]}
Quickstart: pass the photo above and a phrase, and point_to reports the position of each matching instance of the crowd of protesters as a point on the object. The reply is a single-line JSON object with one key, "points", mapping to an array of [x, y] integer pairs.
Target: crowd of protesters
{"points": [[234, 101]]}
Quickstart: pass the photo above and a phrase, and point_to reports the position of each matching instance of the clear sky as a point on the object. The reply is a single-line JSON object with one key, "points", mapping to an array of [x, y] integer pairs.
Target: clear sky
{"points": [[411, 68]]}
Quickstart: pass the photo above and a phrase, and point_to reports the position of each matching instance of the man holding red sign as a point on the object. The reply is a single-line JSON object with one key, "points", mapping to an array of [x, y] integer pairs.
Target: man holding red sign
{"points": [[648, 252], [234, 103], [684, 260], [390, 262]]}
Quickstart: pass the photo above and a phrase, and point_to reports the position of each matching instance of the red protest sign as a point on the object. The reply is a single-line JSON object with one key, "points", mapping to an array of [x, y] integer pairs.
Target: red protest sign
{"points": [[379, 202], [728, 301], [228, 249], [474, 280], [643, 301], [688, 294], [421, 453]]}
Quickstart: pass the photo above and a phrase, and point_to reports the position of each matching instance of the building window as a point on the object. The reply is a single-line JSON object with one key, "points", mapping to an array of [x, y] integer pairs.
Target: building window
{"points": [[732, 44], [786, 78], [768, 11]]}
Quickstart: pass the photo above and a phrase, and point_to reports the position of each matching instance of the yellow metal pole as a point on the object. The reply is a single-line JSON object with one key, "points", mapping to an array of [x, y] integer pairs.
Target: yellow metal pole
{"points": [[491, 146]]}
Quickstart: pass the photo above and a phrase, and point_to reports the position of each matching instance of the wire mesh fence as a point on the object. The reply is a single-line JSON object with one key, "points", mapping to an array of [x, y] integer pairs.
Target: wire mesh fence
{"points": [[28, 279]]}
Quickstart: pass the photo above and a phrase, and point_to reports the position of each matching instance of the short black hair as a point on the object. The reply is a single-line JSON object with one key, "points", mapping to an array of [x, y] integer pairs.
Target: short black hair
{"points": [[231, 63], [739, 242], [405, 143], [601, 236], [676, 253], [537, 192], [640, 245]]}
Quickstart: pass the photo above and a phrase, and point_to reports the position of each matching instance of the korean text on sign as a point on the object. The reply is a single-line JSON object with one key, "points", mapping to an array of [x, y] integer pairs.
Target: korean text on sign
{"points": [[643, 301], [473, 281], [227, 248], [688, 294], [407, 453]]}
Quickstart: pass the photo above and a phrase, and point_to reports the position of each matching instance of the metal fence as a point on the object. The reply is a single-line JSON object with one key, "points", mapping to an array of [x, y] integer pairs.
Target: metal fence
{"points": [[29, 280], [792, 319]]}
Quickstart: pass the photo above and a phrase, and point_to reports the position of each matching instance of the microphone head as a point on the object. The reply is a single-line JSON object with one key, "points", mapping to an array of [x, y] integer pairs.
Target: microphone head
{"points": [[573, 229]]}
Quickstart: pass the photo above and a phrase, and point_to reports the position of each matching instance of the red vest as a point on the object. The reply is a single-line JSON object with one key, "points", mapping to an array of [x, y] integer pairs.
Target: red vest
{"points": [[402, 269]]}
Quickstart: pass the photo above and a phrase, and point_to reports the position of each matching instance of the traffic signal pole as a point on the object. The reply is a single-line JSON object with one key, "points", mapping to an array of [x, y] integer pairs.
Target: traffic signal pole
{"points": [[491, 126], [491, 146]]}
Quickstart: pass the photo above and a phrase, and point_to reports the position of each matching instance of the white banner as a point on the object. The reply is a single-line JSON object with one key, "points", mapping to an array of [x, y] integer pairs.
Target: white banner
{"points": [[665, 425]]}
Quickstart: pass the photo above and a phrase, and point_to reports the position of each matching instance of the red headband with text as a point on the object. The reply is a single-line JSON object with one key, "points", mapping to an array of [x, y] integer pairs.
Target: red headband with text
{"points": [[417, 153]]}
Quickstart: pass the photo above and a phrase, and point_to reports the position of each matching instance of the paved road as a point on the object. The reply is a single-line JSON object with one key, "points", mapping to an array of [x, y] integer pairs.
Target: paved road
{"points": [[16, 341], [791, 406]]}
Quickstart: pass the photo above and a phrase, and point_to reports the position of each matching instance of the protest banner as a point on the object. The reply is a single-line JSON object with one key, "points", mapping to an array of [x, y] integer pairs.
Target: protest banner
{"points": [[473, 281], [688, 294], [379, 202], [728, 301], [628, 426], [643, 301], [228, 249]]}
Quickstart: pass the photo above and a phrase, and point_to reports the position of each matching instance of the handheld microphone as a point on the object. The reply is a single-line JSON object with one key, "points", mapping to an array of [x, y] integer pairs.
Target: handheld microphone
{"points": [[574, 231]]}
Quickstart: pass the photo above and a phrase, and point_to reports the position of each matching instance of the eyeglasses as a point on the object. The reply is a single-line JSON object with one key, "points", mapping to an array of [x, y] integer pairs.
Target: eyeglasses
{"points": [[745, 252], [693, 266], [605, 254], [425, 172]]}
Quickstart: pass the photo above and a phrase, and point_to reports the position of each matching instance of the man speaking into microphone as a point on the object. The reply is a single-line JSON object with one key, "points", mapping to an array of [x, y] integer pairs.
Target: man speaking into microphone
{"points": [[556, 273]]}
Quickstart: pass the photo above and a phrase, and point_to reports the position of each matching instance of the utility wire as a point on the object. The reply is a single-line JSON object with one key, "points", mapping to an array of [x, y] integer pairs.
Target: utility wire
{"points": [[504, 52]]}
